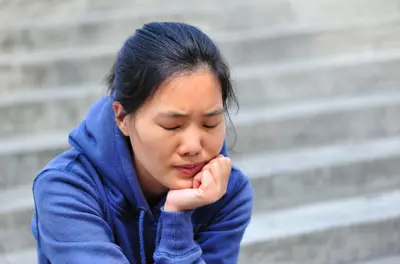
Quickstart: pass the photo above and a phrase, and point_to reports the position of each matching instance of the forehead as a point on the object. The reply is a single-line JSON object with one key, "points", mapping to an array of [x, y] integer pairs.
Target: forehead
{"points": [[200, 89]]}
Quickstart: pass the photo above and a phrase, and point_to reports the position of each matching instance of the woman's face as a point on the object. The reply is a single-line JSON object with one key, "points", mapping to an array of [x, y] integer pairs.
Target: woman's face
{"points": [[178, 130]]}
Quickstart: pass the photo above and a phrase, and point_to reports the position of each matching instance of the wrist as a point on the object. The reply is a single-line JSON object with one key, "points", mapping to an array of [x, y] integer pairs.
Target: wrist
{"points": [[170, 208]]}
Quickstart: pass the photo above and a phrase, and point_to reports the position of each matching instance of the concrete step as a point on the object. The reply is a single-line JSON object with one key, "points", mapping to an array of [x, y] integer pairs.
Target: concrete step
{"points": [[346, 75], [306, 124], [274, 128], [24, 12], [316, 122], [284, 180], [22, 158], [114, 28], [29, 256], [301, 235], [32, 112], [384, 260], [300, 123], [312, 79], [77, 65], [16, 210], [20, 257], [299, 176], [342, 231], [292, 10]]}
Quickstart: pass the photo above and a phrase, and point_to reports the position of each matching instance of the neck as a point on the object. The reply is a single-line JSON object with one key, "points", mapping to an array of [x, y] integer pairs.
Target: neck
{"points": [[152, 190]]}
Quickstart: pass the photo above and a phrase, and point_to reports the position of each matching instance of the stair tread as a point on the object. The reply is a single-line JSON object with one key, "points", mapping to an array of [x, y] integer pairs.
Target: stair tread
{"points": [[19, 257], [269, 31], [27, 255], [43, 141], [294, 159], [384, 260], [18, 198], [110, 15], [317, 157], [288, 110], [40, 96], [268, 226], [257, 165], [82, 51], [280, 223]]}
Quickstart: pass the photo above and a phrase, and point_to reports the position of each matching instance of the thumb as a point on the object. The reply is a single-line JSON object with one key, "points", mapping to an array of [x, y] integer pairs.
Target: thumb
{"points": [[197, 180], [186, 199]]}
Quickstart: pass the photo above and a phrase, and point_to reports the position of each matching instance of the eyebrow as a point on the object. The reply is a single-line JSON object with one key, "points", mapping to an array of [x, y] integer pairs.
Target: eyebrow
{"points": [[217, 112], [173, 114]]}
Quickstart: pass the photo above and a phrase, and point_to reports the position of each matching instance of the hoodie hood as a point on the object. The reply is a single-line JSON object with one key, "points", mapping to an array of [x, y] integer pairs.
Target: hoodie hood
{"points": [[103, 144], [100, 140]]}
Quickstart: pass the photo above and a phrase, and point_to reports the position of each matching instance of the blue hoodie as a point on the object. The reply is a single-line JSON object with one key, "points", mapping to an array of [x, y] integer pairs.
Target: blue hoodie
{"points": [[89, 207]]}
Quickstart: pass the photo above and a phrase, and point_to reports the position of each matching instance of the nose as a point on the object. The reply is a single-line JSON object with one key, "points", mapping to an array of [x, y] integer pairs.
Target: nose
{"points": [[191, 143]]}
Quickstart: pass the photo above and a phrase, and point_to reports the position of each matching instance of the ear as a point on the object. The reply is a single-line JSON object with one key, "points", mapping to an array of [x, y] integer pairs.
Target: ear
{"points": [[122, 122]]}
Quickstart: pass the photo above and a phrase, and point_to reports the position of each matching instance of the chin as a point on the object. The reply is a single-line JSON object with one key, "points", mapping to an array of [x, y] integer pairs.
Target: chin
{"points": [[179, 184]]}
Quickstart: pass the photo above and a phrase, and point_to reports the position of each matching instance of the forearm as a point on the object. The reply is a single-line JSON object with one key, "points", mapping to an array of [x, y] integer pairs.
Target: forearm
{"points": [[175, 242]]}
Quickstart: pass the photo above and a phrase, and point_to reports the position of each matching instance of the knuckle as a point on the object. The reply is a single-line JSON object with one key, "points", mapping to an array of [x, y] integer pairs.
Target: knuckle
{"points": [[223, 192]]}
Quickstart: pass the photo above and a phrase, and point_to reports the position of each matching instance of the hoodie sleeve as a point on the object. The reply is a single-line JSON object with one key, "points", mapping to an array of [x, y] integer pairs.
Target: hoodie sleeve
{"points": [[175, 242], [70, 227]]}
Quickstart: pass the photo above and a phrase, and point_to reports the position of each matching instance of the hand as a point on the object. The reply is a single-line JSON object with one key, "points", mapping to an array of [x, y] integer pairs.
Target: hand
{"points": [[209, 185]]}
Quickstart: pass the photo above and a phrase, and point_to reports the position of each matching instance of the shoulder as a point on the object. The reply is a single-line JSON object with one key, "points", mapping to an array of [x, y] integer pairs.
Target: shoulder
{"points": [[65, 171]]}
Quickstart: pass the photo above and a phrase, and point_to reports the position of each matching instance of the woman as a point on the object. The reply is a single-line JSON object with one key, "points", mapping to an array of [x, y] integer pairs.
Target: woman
{"points": [[147, 179]]}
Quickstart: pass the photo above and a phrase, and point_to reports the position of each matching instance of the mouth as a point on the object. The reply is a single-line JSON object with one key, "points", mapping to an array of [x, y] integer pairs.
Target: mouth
{"points": [[190, 169]]}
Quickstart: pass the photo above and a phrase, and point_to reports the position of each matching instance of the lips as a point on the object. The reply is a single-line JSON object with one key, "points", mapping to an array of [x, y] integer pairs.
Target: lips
{"points": [[190, 169]]}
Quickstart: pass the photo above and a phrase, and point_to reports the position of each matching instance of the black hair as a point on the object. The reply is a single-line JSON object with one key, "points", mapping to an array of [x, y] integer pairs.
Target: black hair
{"points": [[158, 51]]}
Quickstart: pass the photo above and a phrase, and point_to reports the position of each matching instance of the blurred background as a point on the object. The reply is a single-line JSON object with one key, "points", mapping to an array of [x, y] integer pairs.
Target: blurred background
{"points": [[318, 128]]}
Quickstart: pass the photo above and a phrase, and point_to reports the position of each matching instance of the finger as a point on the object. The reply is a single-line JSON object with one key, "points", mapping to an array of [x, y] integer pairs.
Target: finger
{"points": [[208, 165], [197, 180], [226, 164], [186, 199], [226, 168], [216, 171], [196, 184], [216, 159], [207, 181]]}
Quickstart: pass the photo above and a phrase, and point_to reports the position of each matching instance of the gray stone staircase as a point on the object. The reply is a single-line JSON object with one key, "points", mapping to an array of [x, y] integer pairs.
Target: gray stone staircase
{"points": [[318, 130]]}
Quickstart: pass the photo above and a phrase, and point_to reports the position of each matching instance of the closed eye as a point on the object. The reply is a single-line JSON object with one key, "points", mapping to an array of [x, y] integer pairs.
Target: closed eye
{"points": [[213, 126], [177, 127], [171, 128]]}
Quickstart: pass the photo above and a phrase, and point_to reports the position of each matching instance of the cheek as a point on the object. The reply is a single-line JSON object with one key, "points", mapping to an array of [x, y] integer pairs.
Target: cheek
{"points": [[149, 143], [213, 142]]}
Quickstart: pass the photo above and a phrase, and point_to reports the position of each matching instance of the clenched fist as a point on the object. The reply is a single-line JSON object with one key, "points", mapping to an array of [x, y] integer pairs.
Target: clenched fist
{"points": [[209, 185]]}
